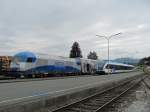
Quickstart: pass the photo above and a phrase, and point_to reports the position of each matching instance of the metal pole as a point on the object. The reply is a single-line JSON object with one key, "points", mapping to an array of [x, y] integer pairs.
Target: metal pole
{"points": [[108, 55], [108, 39], [108, 50]]}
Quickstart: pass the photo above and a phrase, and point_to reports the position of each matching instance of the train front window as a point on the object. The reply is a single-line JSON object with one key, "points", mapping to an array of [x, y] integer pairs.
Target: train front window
{"points": [[30, 60], [109, 66], [19, 59]]}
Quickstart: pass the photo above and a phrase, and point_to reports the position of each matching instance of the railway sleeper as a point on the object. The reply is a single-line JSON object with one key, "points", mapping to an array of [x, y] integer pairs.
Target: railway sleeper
{"points": [[86, 107], [92, 104], [98, 104], [78, 109]]}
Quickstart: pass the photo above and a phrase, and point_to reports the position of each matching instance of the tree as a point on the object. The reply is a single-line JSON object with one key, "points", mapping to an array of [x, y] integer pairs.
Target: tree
{"points": [[75, 51], [145, 61], [92, 55]]}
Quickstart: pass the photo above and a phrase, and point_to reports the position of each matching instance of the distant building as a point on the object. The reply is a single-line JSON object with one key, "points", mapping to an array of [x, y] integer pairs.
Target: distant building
{"points": [[5, 63]]}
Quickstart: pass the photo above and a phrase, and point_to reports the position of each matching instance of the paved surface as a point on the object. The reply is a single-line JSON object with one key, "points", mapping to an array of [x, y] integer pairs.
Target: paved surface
{"points": [[39, 79], [21, 90]]}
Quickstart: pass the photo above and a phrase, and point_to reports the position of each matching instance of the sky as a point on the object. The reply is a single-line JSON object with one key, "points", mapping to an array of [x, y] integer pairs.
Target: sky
{"points": [[51, 27]]}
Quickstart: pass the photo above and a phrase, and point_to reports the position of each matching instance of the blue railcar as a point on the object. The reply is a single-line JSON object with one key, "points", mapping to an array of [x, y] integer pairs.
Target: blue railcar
{"points": [[30, 64]]}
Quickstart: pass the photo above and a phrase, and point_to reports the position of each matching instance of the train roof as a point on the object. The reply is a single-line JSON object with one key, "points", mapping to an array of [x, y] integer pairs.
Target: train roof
{"points": [[25, 54], [90, 60], [28, 54]]}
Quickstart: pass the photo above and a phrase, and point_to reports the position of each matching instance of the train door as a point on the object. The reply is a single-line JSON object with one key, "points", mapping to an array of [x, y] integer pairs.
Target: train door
{"points": [[88, 68], [83, 66]]}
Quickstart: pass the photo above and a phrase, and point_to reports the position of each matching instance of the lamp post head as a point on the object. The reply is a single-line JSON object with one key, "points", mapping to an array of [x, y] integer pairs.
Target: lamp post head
{"points": [[115, 34]]}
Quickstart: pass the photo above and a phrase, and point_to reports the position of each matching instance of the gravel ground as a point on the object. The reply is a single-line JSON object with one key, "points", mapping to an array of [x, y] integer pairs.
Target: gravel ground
{"points": [[138, 101]]}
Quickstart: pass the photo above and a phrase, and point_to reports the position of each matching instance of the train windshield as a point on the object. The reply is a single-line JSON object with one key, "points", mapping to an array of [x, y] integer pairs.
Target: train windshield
{"points": [[22, 59], [19, 59]]}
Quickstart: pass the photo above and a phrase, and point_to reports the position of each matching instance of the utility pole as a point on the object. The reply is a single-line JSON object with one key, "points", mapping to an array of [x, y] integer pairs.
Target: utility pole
{"points": [[108, 41]]}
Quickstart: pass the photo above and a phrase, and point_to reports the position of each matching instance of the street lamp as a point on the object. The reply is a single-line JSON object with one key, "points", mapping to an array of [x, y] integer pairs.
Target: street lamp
{"points": [[108, 39]]}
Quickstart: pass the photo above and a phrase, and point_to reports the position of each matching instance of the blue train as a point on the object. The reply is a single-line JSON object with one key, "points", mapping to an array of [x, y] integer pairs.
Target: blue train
{"points": [[28, 64], [105, 67]]}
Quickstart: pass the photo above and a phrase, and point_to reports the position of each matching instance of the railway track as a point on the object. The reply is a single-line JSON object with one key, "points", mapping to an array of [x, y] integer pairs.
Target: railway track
{"points": [[101, 102]]}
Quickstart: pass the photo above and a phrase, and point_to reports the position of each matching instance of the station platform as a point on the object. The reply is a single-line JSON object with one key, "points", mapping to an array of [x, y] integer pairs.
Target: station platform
{"points": [[51, 94]]}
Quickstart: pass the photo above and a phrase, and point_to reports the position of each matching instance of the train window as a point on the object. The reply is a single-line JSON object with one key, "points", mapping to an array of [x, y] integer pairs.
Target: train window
{"points": [[59, 63], [113, 67], [41, 62], [78, 63], [127, 68], [109, 66], [118, 67], [122, 67], [19, 59], [69, 63], [130, 68], [29, 60]]}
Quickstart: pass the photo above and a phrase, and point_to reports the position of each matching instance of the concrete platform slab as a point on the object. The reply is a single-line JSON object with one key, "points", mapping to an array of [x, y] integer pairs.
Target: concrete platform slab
{"points": [[36, 95]]}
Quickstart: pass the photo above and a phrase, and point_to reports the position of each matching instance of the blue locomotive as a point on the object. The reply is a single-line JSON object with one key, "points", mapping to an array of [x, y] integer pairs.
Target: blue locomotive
{"points": [[29, 64]]}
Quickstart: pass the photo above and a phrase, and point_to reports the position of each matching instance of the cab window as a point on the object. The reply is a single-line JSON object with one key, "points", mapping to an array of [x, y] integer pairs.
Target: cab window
{"points": [[30, 60]]}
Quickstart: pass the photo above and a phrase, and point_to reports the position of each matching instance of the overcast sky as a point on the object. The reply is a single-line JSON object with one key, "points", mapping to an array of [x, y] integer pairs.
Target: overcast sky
{"points": [[51, 26]]}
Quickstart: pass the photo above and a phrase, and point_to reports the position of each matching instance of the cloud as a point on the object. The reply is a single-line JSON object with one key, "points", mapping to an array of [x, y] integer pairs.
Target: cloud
{"points": [[50, 26]]}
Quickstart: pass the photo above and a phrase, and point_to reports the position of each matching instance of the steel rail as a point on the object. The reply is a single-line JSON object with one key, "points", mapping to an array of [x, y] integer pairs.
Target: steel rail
{"points": [[92, 96], [118, 96]]}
